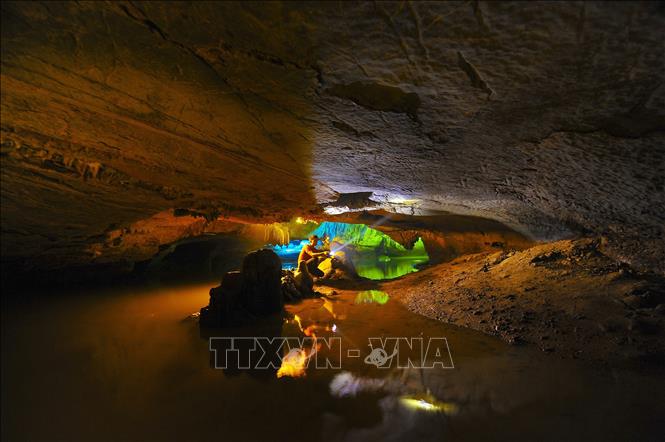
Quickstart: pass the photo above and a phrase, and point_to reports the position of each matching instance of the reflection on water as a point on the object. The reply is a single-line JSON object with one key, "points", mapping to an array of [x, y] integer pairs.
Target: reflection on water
{"points": [[128, 365], [372, 296], [376, 268], [427, 402]]}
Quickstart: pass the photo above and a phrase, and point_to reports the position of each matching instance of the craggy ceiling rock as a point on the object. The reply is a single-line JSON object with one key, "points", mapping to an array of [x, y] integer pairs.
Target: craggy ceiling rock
{"points": [[545, 116]]}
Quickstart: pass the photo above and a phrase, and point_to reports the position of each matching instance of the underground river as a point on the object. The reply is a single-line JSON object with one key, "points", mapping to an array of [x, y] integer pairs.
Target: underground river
{"points": [[131, 364]]}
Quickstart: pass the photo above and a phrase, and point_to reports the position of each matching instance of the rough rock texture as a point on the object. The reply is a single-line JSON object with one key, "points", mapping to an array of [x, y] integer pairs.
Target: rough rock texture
{"points": [[547, 116], [566, 297], [256, 290], [222, 309], [261, 290]]}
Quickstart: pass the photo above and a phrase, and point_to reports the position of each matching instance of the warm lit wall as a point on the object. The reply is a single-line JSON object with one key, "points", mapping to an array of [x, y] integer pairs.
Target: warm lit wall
{"points": [[546, 116]]}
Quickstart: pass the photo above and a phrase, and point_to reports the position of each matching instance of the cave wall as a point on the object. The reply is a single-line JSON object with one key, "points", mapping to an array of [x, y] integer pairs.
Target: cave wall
{"points": [[546, 116]]}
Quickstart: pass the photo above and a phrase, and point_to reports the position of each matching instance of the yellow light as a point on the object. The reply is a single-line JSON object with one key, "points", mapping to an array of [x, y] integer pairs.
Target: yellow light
{"points": [[429, 404], [299, 220], [296, 319], [293, 364], [402, 200]]}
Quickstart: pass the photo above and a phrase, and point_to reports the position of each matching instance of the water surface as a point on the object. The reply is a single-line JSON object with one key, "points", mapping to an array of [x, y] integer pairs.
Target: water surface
{"points": [[126, 364]]}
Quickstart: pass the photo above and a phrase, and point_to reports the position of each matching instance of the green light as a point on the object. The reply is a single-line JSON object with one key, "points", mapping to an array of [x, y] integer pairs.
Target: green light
{"points": [[371, 268], [372, 296], [373, 253], [359, 235]]}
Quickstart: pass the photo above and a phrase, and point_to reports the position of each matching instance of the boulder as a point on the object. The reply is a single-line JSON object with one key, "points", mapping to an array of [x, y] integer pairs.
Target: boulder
{"points": [[256, 290], [290, 290], [221, 309], [261, 290]]}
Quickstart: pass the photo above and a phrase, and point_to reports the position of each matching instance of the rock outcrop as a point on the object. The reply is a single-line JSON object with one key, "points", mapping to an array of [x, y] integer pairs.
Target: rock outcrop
{"points": [[254, 291], [261, 291], [567, 298]]}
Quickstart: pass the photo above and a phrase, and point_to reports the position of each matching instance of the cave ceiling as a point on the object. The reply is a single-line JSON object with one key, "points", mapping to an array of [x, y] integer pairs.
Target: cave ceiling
{"points": [[546, 116]]}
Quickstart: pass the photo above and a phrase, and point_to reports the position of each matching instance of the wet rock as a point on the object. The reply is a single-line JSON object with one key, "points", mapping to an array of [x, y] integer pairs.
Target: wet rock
{"points": [[261, 291], [298, 284], [290, 290], [256, 290], [222, 308]]}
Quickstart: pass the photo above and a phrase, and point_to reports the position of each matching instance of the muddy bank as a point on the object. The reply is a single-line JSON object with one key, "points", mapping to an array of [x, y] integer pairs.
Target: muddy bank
{"points": [[567, 298]]}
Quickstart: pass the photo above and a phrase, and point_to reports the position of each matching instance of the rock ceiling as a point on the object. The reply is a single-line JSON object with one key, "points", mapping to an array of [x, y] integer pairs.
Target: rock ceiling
{"points": [[547, 116]]}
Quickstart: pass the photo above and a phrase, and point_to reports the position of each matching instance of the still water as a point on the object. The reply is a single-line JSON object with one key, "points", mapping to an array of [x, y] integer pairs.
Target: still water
{"points": [[128, 364], [378, 269]]}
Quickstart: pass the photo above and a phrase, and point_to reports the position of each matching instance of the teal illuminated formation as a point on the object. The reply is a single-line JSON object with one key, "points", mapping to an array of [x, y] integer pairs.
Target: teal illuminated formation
{"points": [[374, 254]]}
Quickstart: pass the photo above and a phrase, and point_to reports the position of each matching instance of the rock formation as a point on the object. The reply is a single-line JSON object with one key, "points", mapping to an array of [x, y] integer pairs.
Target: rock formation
{"points": [[261, 282], [254, 291], [546, 116]]}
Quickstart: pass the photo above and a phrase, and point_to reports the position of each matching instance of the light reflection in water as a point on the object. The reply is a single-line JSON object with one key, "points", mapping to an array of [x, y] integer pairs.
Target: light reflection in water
{"points": [[428, 403], [124, 365], [294, 363], [376, 269], [372, 297]]}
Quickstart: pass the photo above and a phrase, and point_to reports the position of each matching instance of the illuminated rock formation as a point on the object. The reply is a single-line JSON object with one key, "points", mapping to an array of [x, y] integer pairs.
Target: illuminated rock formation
{"points": [[545, 116]]}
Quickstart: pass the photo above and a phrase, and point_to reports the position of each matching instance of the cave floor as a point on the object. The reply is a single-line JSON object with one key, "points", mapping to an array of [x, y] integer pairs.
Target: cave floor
{"points": [[566, 298], [132, 364]]}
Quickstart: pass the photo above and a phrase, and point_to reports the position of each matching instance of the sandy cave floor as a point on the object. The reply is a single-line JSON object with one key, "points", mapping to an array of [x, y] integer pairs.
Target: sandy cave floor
{"points": [[566, 297]]}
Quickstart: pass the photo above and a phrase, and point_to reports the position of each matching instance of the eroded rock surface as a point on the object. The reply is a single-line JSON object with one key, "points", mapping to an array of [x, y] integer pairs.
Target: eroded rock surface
{"points": [[547, 116], [254, 291], [567, 298]]}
